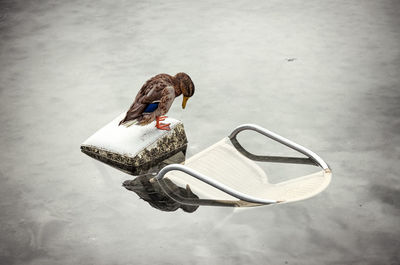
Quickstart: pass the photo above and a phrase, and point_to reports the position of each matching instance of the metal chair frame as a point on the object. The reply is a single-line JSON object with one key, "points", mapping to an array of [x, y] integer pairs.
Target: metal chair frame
{"points": [[312, 158]]}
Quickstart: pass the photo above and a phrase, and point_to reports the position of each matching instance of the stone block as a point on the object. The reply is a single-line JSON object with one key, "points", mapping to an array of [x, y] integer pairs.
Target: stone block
{"points": [[136, 149]]}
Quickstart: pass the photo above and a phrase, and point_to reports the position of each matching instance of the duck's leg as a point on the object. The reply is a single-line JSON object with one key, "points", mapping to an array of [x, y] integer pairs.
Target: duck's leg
{"points": [[162, 126]]}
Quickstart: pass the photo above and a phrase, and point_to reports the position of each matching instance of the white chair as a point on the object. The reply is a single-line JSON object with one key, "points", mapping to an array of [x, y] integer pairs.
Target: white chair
{"points": [[226, 174]]}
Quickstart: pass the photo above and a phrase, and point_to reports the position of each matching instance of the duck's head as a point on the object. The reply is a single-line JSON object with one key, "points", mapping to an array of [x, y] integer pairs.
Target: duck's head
{"points": [[186, 87]]}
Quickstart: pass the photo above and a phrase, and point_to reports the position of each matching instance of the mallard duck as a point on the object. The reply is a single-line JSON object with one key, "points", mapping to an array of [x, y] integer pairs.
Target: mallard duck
{"points": [[156, 97]]}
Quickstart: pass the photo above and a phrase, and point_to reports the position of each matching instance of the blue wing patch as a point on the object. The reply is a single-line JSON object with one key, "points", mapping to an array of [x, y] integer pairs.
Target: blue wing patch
{"points": [[151, 107]]}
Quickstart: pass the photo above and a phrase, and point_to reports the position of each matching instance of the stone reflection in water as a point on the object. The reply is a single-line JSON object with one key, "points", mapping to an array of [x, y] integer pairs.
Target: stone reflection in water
{"points": [[155, 195]]}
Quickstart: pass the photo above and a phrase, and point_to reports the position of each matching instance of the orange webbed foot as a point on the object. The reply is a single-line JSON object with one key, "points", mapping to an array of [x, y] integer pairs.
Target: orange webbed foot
{"points": [[162, 126]]}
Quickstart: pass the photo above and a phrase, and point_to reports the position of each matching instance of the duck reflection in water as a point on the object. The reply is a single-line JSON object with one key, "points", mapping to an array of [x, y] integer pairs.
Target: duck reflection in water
{"points": [[156, 193]]}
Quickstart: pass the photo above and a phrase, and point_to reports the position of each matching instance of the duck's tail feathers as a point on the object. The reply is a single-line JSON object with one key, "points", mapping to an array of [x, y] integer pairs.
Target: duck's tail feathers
{"points": [[128, 123]]}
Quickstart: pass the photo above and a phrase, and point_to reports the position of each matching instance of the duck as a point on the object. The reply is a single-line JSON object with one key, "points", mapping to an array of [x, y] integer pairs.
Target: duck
{"points": [[155, 98]]}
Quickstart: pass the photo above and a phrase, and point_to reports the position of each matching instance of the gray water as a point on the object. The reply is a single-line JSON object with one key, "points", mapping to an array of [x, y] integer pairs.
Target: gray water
{"points": [[322, 73]]}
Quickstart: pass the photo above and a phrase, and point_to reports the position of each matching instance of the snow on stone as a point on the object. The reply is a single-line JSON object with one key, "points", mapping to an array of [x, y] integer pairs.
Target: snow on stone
{"points": [[127, 140]]}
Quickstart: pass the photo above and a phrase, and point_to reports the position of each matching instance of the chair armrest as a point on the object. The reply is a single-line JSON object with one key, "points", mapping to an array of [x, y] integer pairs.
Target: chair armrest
{"points": [[212, 182], [313, 156]]}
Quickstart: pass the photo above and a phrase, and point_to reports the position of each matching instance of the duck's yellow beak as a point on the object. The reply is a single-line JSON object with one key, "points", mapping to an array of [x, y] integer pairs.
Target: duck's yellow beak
{"points": [[185, 99]]}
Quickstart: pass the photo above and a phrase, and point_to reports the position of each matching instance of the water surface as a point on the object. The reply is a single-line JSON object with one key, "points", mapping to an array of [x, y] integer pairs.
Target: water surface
{"points": [[322, 73]]}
